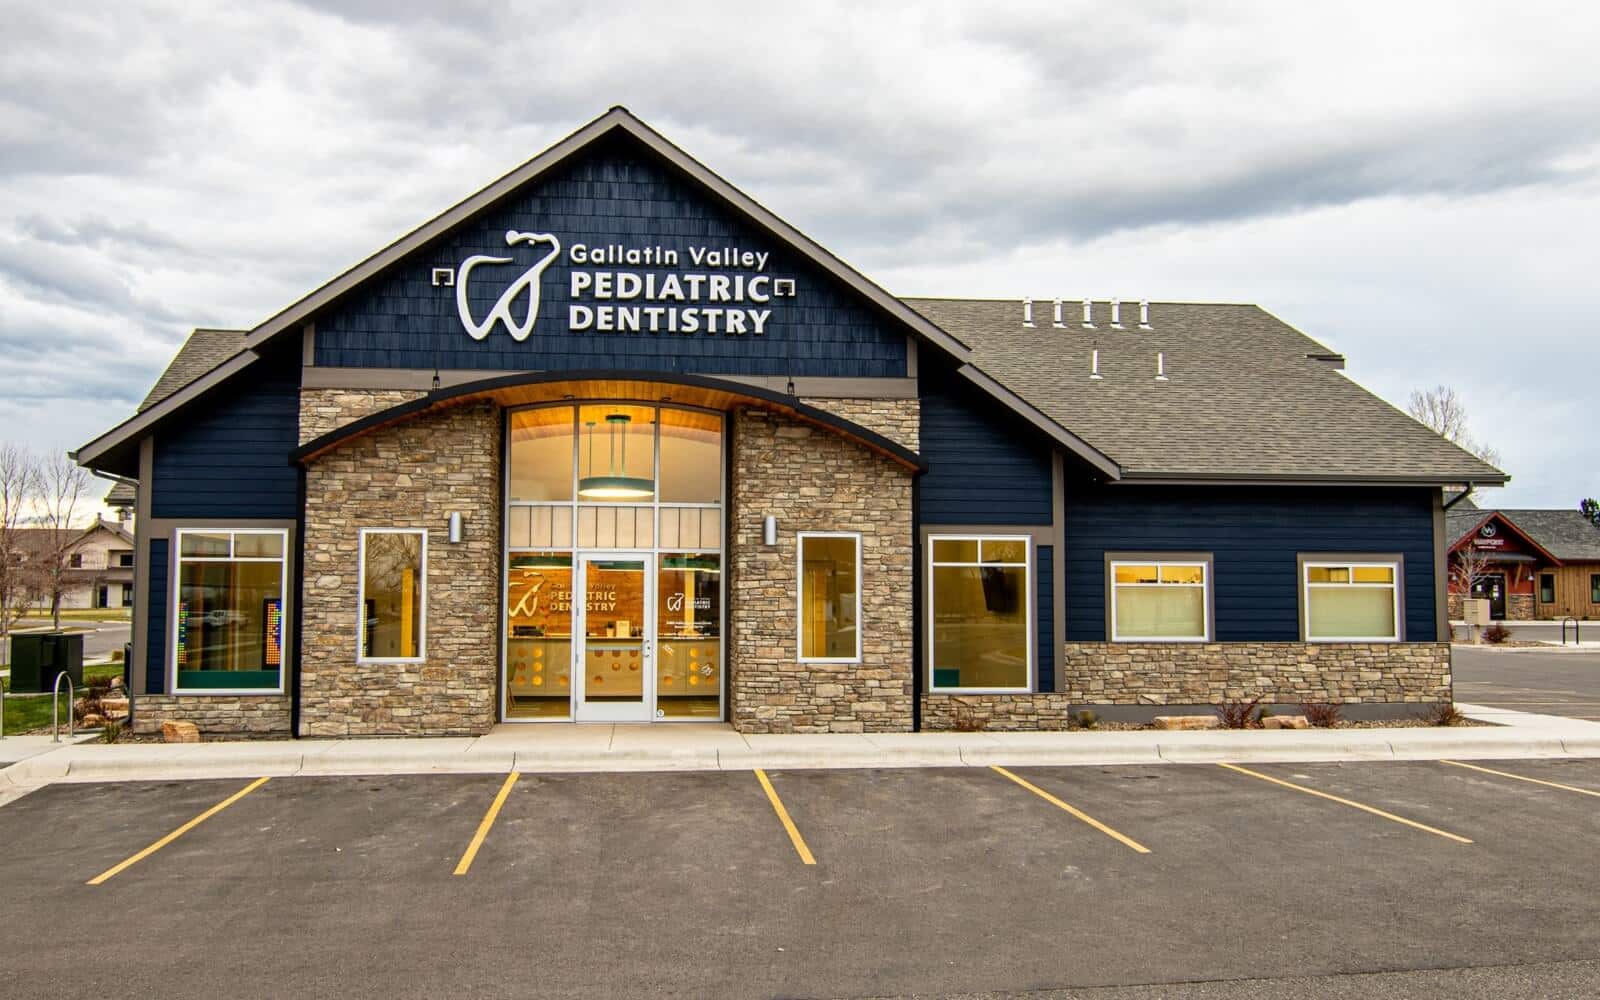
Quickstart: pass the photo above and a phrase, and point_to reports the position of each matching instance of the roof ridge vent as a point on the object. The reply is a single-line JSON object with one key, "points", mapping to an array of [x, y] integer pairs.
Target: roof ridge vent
{"points": [[1088, 315], [1144, 315], [1161, 367], [1094, 365], [1116, 314], [1027, 312], [1057, 321]]}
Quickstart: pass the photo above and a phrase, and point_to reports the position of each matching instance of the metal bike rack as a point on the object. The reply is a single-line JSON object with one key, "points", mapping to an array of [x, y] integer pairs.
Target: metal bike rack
{"points": [[1577, 631], [55, 704]]}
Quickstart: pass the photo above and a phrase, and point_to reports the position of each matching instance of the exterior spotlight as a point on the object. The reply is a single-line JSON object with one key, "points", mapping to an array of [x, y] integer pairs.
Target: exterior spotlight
{"points": [[455, 527], [769, 530]]}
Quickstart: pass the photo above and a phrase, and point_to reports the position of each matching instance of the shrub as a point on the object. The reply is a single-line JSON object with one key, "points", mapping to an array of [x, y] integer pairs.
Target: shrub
{"points": [[98, 686], [111, 732], [1088, 720], [1496, 634], [1236, 713], [1322, 714], [1443, 714], [88, 705]]}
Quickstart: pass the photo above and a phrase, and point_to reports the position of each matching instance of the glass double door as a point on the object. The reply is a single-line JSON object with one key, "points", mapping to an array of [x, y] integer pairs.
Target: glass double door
{"points": [[613, 629]]}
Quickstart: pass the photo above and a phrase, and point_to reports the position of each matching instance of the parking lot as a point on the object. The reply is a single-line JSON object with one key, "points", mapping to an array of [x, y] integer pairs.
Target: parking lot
{"points": [[1546, 683], [918, 881]]}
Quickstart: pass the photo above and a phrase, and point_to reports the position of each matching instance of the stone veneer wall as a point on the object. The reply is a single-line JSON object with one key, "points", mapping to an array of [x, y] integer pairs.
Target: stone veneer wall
{"points": [[1150, 674], [814, 480], [409, 475], [899, 420], [1519, 607], [1137, 673], [213, 713], [324, 410]]}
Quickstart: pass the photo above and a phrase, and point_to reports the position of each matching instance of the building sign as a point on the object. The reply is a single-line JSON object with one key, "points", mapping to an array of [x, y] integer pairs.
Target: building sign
{"points": [[716, 294]]}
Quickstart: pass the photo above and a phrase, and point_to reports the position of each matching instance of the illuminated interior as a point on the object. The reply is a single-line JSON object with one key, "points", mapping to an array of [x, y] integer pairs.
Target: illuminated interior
{"points": [[614, 518]]}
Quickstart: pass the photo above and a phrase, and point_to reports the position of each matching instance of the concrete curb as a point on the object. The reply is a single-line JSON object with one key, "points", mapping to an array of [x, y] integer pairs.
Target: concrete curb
{"points": [[199, 761]]}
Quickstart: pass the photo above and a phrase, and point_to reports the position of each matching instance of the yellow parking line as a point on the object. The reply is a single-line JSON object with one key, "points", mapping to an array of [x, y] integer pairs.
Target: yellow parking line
{"points": [[180, 831], [1354, 805], [783, 817], [483, 828], [1076, 813], [1536, 781]]}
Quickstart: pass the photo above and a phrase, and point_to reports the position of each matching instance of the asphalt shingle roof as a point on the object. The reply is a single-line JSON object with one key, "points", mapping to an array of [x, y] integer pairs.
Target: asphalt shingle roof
{"points": [[203, 351], [1565, 534], [1242, 397], [122, 495]]}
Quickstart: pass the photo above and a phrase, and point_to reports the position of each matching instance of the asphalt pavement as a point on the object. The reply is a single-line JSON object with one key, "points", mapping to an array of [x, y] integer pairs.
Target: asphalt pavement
{"points": [[1530, 680], [99, 637], [1190, 881]]}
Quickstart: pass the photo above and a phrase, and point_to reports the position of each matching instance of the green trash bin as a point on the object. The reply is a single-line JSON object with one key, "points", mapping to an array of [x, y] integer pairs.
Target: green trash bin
{"points": [[37, 658]]}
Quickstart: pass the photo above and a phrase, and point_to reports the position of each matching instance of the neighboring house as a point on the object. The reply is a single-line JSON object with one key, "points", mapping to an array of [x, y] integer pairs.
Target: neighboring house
{"points": [[99, 565], [1531, 563], [122, 499]]}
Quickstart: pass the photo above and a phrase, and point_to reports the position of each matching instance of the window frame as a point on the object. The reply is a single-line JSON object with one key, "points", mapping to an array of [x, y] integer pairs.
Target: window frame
{"points": [[799, 596], [174, 601], [1594, 588], [1205, 560], [1552, 598], [1395, 562], [1030, 606], [361, 597]]}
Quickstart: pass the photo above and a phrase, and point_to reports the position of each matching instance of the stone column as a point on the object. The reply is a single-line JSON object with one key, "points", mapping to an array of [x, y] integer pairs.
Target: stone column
{"points": [[812, 479]]}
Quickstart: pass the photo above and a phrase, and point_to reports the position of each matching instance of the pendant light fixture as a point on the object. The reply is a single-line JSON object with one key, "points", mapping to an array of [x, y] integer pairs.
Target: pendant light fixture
{"points": [[617, 485]]}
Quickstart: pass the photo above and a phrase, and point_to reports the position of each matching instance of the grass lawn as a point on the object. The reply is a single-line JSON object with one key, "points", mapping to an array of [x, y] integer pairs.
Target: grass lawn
{"points": [[77, 615], [25, 713]]}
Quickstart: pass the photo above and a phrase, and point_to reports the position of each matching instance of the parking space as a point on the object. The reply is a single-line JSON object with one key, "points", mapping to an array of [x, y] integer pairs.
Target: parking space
{"points": [[1545, 683], [923, 880]]}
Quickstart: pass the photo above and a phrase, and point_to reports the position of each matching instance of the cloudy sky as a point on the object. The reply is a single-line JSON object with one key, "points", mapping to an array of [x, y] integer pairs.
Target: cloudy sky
{"points": [[1417, 185]]}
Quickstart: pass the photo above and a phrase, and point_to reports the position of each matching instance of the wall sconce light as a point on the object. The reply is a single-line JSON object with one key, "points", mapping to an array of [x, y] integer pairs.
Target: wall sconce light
{"points": [[455, 527], [769, 530]]}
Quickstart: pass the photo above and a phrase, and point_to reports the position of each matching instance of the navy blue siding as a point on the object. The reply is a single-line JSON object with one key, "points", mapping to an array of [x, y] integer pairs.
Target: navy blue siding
{"points": [[1255, 536], [617, 193], [228, 455], [984, 465], [155, 660], [1044, 610]]}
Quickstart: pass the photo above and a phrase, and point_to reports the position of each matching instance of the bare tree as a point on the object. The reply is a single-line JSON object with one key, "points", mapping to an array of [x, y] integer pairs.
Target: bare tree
{"points": [[1442, 410], [19, 490], [63, 490], [1469, 565]]}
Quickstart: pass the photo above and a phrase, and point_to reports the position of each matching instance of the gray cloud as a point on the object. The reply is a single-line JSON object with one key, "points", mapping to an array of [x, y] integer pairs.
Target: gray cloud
{"points": [[167, 166]]}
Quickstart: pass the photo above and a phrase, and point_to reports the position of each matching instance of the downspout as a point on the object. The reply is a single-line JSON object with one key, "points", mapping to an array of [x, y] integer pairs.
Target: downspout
{"points": [[1461, 496]]}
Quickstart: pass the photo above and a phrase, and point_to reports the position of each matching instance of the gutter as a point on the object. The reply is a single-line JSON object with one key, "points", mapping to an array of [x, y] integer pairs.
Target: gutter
{"points": [[1462, 495]]}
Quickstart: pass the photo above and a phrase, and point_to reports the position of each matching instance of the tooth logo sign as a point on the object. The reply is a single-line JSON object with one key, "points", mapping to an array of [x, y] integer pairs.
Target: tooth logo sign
{"points": [[528, 282]]}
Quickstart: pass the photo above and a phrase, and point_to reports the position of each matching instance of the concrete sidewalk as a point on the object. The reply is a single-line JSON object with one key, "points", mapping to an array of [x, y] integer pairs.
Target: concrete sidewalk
{"points": [[718, 747]]}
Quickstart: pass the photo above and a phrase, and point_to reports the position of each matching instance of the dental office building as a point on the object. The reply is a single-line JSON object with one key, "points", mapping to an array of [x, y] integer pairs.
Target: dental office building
{"points": [[610, 442]]}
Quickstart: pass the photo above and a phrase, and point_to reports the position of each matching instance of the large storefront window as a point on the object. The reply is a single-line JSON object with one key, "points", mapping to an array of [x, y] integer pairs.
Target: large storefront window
{"points": [[393, 598], [1352, 601], [228, 621], [980, 614], [644, 482]]}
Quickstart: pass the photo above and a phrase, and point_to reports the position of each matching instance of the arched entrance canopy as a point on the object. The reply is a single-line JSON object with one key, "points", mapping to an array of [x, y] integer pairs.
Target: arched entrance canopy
{"points": [[530, 389]]}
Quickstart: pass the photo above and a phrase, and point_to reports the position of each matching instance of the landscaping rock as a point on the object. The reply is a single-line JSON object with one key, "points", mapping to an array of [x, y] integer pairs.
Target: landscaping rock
{"points": [[1187, 722], [92, 721], [116, 683], [1285, 722], [178, 731], [114, 708]]}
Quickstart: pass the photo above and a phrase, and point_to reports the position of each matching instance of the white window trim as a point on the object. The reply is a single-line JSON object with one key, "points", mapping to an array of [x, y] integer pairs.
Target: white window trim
{"points": [[799, 597], [1205, 597], [361, 598], [176, 588], [1029, 602], [1306, 586]]}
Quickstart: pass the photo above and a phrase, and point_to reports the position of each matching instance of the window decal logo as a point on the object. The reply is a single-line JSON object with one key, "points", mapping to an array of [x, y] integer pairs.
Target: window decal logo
{"points": [[528, 282]]}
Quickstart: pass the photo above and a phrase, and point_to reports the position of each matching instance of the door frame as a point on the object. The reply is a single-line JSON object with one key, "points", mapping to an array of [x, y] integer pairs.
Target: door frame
{"points": [[1485, 582], [645, 710]]}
